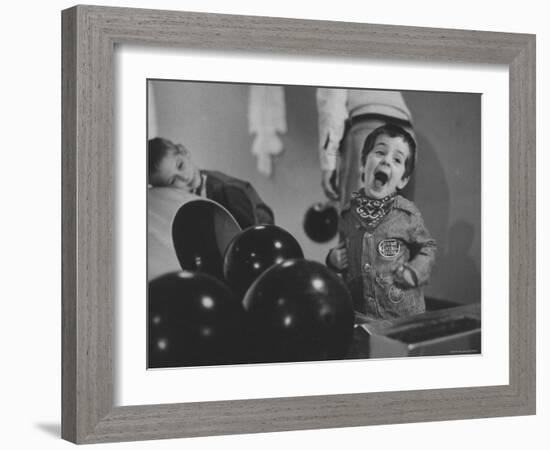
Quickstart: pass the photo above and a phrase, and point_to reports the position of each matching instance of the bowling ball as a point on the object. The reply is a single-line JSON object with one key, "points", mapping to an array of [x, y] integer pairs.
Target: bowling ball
{"points": [[193, 319], [299, 311], [253, 251], [321, 222]]}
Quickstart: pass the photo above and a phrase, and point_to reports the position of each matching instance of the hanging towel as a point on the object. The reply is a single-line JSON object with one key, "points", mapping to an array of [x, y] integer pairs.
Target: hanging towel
{"points": [[266, 120]]}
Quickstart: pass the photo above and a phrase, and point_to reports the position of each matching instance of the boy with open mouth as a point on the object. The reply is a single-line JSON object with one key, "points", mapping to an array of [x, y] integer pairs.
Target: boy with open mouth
{"points": [[385, 251]]}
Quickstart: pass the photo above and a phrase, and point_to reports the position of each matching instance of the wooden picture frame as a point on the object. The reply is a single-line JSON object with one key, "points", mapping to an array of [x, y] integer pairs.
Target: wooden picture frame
{"points": [[90, 34]]}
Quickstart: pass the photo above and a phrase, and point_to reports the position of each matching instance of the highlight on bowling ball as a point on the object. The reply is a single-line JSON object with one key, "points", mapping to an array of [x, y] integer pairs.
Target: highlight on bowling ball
{"points": [[299, 311], [255, 250], [321, 222], [193, 319]]}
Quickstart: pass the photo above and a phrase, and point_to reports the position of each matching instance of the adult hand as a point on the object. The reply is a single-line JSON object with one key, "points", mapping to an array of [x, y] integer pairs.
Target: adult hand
{"points": [[327, 184]]}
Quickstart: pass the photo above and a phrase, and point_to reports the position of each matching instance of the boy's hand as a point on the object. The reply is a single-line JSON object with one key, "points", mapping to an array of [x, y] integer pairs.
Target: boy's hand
{"points": [[338, 257], [404, 277]]}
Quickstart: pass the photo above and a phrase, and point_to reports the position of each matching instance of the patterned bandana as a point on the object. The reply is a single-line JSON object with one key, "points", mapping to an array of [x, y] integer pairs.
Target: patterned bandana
{"points": [[371, 211]]}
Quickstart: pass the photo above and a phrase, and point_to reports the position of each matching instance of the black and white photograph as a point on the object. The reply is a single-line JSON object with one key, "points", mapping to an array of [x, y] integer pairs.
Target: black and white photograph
{"points": [[310, 223]]}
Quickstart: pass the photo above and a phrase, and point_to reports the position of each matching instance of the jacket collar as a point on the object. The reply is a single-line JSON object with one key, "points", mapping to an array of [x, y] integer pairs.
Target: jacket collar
{"points": [[405, 205]]}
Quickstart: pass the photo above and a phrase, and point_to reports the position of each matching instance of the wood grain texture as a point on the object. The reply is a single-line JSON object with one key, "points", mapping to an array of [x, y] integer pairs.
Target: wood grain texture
{"points": [[68, 224], [89, 36], [523, 224]]}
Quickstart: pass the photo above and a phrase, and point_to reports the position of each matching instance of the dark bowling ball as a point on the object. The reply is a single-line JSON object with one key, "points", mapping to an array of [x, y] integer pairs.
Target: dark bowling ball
{"points": [[299, 311], [194, 319], [321, 222], [255, 250]]}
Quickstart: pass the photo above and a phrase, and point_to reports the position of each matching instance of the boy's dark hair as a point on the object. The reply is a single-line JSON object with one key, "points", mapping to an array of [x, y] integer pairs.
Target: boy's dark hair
{"points": [[391, 130], [157, 148]]}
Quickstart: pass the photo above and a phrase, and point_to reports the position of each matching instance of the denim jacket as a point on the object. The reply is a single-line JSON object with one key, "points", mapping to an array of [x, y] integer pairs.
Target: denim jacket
{"points": [[374, 254]]}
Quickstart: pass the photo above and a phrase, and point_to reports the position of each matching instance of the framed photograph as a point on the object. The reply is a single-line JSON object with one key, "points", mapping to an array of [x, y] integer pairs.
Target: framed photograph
{"points": [[255, 208]]}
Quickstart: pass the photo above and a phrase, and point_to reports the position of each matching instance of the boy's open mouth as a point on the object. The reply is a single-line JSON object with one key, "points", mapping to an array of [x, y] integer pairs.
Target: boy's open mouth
{"points": [[380, 179]]}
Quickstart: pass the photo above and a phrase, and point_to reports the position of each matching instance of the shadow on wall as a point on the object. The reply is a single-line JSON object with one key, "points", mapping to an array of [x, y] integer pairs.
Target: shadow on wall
{"points": [[429, 189], [456, 268], [455, 276]]}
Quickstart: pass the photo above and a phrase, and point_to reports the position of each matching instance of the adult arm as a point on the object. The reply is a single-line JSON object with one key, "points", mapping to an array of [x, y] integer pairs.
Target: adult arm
{"points": [[332, 113]]}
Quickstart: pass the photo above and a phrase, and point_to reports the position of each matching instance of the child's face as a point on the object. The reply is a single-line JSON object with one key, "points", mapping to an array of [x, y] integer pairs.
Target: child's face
{"points": [[385, 166], [176, 169]]}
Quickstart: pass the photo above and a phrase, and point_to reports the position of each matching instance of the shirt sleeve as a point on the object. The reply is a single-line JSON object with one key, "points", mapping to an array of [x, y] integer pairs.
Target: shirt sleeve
{"points": [[332, 111], [424, 251], [239, 205], [247, 206]]}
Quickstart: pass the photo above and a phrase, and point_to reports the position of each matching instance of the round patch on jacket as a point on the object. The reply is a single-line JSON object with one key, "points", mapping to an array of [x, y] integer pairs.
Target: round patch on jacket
{"points": [[389, 248], [395, 294]]}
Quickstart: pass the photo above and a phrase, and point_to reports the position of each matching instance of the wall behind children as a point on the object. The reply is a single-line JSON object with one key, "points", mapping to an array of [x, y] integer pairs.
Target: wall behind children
{"points": [[211, 120]]}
